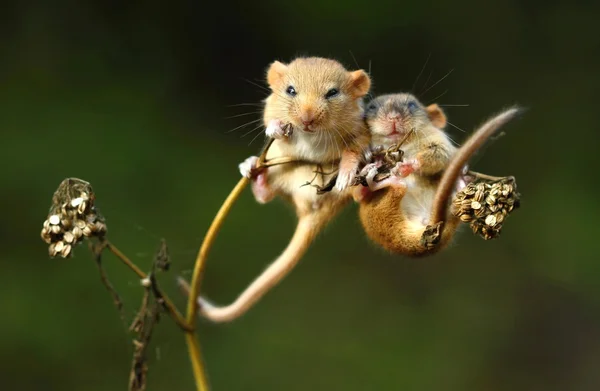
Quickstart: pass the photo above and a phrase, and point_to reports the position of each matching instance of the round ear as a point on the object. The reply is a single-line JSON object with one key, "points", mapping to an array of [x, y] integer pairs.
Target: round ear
{"points": [[360, 83], [436, 116], [275, 73]]}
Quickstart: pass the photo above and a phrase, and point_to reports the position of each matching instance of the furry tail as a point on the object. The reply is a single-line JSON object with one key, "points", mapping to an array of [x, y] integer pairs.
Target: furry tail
{"points": [[306, 231], [461, 157]]}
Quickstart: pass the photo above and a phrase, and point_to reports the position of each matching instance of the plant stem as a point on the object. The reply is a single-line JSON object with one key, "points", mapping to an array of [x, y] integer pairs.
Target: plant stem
{"points": [[175, 314], [209, 238]]}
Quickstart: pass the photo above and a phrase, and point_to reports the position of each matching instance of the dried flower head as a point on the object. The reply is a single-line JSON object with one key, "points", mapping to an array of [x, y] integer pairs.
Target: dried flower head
{"points": [[72, 217], [485, 204]]}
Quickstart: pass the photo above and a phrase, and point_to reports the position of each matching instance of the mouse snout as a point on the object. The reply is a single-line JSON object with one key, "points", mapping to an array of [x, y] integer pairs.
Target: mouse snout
{"points": [[307, 116], [393, 116]]}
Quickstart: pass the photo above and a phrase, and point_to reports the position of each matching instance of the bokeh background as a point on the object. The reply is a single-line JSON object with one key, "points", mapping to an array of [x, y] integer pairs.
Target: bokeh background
{"points": [[137, 98]]}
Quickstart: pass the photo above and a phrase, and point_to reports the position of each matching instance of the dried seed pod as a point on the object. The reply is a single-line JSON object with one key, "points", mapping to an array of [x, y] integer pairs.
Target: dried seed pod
{"points": [[485, 204], [466, 218], [77, 232], [68, 237], [52, 249], [66, 251], [88, 230], [46, 235], [72, 217]]}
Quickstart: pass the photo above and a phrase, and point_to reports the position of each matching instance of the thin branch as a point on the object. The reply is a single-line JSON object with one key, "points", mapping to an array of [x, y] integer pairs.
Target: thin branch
{"points": [[97, 251], [192, 307], [173, 311]]}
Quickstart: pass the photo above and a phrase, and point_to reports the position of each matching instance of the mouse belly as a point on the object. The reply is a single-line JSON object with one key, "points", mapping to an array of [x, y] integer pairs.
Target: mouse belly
{"points": [[396, 218]]}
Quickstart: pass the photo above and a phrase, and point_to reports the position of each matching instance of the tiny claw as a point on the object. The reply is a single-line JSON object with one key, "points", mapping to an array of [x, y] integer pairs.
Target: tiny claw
{"points": [[367, 168], [344, 180], [248, 167], [404, 169], [370, 177], [275, 129]]}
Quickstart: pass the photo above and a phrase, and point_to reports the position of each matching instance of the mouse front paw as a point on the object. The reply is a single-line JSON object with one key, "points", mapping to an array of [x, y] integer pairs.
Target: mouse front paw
{"points": [[248, 167], [369, 168], [405, 168], [369, 172], [345, 179], [277, 130]]}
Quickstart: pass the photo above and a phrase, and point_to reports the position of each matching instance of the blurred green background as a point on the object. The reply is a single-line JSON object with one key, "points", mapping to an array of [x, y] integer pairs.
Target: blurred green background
{"points": [[136, 97]]}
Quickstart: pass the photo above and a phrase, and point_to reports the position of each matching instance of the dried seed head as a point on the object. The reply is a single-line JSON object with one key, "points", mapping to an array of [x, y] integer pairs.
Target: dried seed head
{"points": [[52, 249], [87, 231], [77, 232], [68, 237], [66, 251], [485, 204], [72, 217]]}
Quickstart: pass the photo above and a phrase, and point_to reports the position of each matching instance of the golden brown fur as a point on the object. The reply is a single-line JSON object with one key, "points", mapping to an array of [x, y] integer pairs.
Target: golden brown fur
{"points": [[327, 132], [396, 217]]}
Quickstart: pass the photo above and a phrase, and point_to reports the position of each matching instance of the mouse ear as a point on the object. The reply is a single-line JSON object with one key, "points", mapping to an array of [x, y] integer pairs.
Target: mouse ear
{"points": [[436, 116], [360, 83], [275, 73]]}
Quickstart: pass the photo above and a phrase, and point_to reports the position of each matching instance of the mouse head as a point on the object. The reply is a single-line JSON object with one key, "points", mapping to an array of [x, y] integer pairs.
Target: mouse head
{"points": [[316, 94], [392, 116]]}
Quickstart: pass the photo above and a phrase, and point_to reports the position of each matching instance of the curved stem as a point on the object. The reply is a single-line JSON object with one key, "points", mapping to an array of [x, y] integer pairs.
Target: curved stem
{"points": [[192, 308]]}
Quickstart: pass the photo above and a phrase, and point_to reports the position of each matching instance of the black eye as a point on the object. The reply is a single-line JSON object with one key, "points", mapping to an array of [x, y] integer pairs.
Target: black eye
{"points": [[371, 107], [331, 93], [291, 91], [412, 106]]}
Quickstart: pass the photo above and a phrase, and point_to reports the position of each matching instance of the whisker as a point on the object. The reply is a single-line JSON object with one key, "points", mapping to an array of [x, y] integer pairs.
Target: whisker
{"points": [[426, 82], [421, 72], [354, 58], [454, 126], [243, 114], [251, 131], [437, 82], [439, 96], [342, 137], [242, 125], [255, 137], [257, 85], [246, 104]]}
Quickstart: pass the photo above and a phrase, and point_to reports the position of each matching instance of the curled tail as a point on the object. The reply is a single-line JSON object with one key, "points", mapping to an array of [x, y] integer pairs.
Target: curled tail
{"points": [[306, 231], [461, 157]]}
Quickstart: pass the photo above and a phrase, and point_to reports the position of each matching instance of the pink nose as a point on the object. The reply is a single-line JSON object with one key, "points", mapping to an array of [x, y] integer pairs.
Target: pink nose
{"points": [[307, 123], [393, 116]]}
